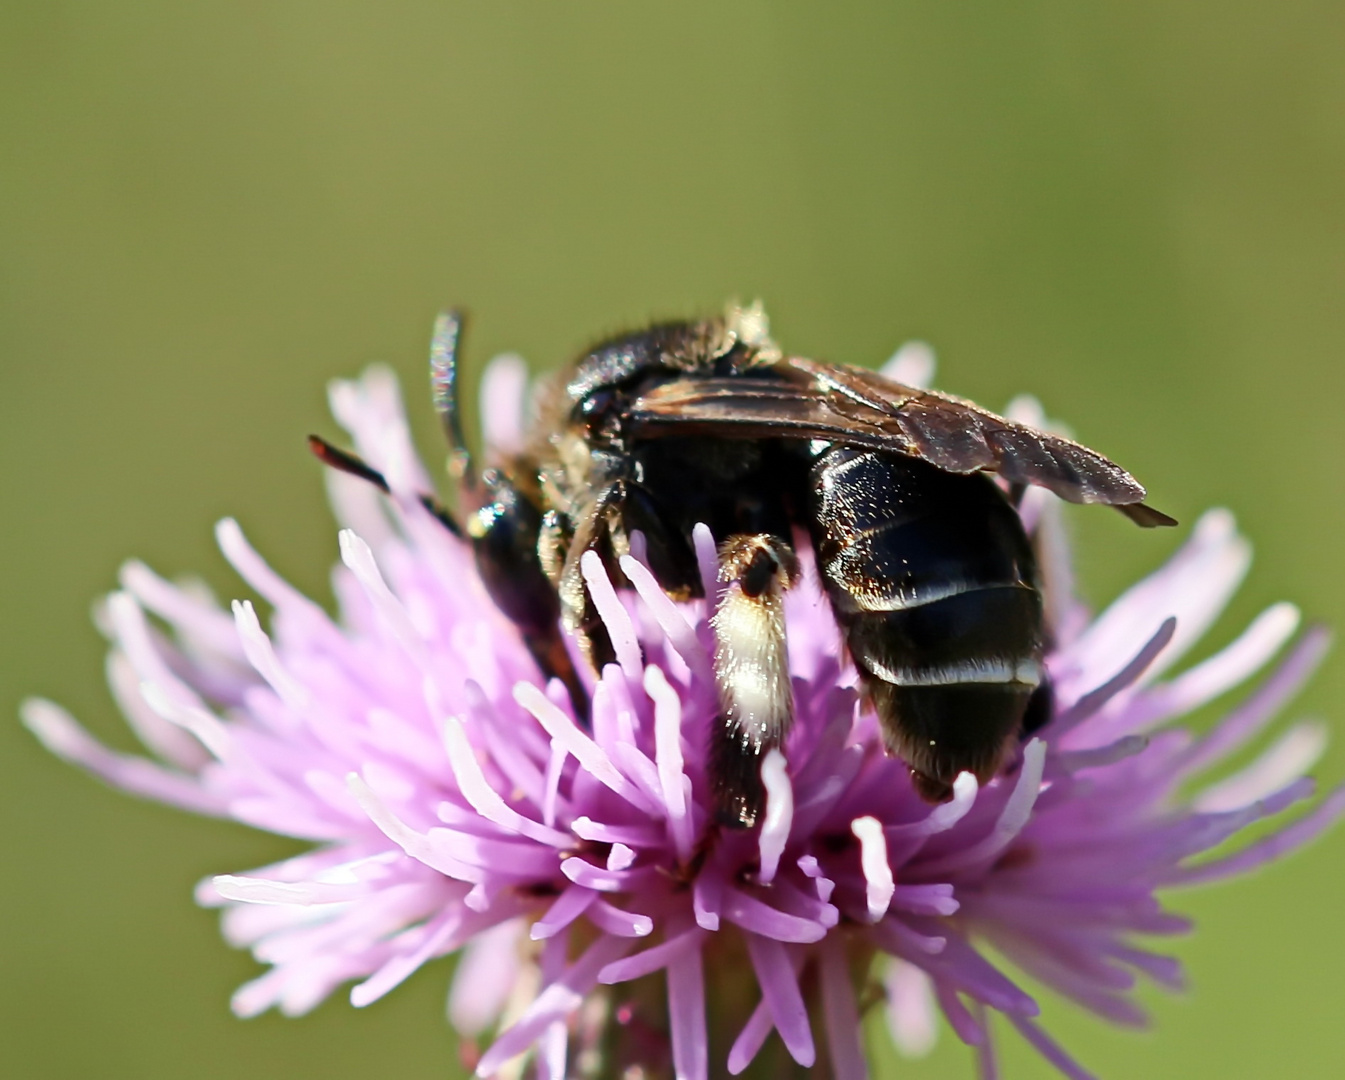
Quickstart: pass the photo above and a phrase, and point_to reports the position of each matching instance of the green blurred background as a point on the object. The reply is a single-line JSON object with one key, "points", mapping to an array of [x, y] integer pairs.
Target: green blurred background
{"points": [[208, 210]]}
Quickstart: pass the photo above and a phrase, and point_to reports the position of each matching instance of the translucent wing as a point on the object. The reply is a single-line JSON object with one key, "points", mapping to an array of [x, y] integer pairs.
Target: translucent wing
{"points": [[800, 398]]}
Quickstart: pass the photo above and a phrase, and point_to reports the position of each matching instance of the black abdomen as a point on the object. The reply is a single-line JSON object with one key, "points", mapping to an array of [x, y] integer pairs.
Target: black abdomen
{"points": [[933, 582]]}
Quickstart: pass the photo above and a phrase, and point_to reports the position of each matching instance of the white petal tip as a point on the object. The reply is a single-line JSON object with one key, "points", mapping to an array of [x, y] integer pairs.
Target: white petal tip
{"points": [[913, 364], [51, 725], [1026, 409], [1283, 618], [1218, 522], [351, 545], [779, 819], [620, 857], [227, 532], [879, 882]]}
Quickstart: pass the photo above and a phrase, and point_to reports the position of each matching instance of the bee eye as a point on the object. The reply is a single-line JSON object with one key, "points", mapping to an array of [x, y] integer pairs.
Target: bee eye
{"points": [[596, 410]]}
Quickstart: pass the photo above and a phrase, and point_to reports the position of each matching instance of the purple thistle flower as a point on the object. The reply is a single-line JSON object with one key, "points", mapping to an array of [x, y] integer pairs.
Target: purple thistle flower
{"points": [[454, 803]]}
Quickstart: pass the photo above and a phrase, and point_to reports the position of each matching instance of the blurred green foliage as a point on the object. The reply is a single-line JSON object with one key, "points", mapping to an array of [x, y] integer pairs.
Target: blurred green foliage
{"points": [[1133, 209]]}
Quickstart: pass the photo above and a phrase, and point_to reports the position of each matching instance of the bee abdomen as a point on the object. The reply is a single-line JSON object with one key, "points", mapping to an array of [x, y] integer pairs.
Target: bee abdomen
{"points": [[896, 533], [943, 731], [951, 679], [986, 634], [933, 582]]}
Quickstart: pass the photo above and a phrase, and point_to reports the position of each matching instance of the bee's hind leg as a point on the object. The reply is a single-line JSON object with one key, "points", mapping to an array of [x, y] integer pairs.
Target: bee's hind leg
{"points": [[751, 667]]}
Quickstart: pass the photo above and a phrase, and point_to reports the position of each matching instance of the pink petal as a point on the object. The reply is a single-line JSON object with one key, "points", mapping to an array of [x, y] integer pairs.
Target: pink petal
{"points": [[1292, 755], [707, 897], [197, 618], [762, 919], [911, 365], [504, 388], [879, 884], [1252, 715], [686, 1009], [484, 799], [60, 734], [487, 970], [935, 899], [591, 757], [614, 615], [652, 959], [598, 877], [253, 569], [780, 991], [614, 920], [670, 619], [442, 938], [1050, 1049], [668, 755], [1095, 700], [774, 834], [750, 1040], [959, 966], [1202, 683], [636, 835], [1194, 586], [842, 1016], [811, 868], [971, 1029], [573, 901], [987, 1062], [1289, 839], [1017, 810], [910, 1008], [170, 741], [556, 1002]]}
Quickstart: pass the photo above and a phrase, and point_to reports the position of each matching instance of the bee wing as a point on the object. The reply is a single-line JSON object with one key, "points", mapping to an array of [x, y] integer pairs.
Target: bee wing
{"points": [[748, 408], [802, 398]]}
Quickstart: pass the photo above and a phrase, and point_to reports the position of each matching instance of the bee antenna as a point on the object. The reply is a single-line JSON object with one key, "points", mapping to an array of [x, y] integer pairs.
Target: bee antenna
{"points": [[353, 465], [444, 389], [345, 462]]}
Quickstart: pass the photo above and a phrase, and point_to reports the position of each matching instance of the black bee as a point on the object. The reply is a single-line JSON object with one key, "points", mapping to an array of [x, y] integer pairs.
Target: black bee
{"points": [[930, 574]]}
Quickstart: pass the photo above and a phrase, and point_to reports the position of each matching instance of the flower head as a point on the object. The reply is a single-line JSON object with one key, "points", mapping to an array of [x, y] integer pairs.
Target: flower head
{"points": [[454, 803]]}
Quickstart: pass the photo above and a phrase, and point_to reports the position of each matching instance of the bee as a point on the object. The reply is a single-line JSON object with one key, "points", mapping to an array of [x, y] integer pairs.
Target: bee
{"points": [[930, 575]]}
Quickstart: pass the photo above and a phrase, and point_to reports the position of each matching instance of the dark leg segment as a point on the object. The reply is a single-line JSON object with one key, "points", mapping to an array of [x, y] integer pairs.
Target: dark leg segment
{"points": [[346, 462], [592, 532], [504, 532]]}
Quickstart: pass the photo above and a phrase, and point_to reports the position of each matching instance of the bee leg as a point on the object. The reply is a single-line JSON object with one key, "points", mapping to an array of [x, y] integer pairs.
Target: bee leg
{"points": [[751, 667], [354, 465], [578, 612], [504, 532], [1040, 709], [549, 653]]}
